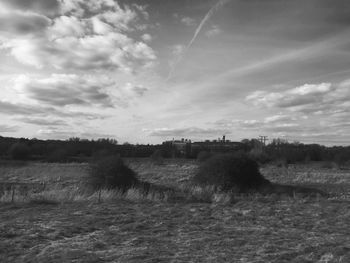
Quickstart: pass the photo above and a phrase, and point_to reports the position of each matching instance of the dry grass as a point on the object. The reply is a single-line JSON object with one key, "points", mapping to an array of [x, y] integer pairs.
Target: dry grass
{"points": [[65, 223], [334, 181]]}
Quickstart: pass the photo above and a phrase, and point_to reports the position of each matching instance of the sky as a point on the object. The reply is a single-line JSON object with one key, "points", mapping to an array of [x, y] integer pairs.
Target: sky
{"points": [[146, 71]]}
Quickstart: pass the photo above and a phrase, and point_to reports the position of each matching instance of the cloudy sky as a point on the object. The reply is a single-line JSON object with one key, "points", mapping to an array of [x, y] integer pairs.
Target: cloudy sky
{"points": [[145, 71]]}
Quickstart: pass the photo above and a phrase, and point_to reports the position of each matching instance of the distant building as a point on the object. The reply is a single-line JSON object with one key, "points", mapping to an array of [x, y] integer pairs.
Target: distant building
{"points": [[179, 147], [184, 147]]}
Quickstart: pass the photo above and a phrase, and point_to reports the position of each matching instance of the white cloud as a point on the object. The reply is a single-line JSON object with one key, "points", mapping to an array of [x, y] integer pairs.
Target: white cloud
{"points": [[146, 37], [111, 51], [279, 118], [97, 40], [80, 7], [132, 90], [213, 31], [100, 27], [188, 21], [177, 50], [308, 94], [65, 26], [306, 110]]}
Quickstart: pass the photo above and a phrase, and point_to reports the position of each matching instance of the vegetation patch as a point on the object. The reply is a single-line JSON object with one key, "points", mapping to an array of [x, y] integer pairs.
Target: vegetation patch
{"points": [[230, 171], [110, 173]]}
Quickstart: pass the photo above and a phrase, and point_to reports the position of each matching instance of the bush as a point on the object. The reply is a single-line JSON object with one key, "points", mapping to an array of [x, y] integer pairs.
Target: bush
{"points": [[203, 156], [57, 156], [19, 151], [230, 171], [111, 173]]}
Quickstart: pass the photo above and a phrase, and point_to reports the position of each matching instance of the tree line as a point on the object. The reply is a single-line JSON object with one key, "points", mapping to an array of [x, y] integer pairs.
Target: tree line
{"points": [[82, 150]]}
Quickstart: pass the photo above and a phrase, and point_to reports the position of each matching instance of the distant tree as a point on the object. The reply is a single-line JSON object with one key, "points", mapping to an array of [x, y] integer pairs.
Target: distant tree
{"points": [[19, 151]]}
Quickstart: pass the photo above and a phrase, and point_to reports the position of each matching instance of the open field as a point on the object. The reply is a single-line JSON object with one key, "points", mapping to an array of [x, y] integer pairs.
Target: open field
{"points": [[253, 228]]}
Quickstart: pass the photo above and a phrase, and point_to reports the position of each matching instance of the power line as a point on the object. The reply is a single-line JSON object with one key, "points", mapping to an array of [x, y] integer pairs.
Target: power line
{"points": [[263, 139]]}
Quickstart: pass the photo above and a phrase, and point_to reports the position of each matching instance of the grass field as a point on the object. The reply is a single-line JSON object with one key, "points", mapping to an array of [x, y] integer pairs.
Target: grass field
{"points": [[251, 228]]}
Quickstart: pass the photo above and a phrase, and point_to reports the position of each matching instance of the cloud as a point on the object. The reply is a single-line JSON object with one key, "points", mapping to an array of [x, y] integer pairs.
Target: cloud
{"points": [[97, 39], [81, 7], [178, 49], [305, 98], [65, 26], [188, 21], [317, 99], [103, 52], [55, 132], [22, 23], [146, 37], [213, 31], [130, 91], [63, 90], [139, 90], [47, 7], [186, 132], [42, 121], [275, 124], [60, 90], [9, 108], [6, 128], [21, 109]]}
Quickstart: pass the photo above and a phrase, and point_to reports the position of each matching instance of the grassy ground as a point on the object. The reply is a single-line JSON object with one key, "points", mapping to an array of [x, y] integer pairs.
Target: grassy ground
{"points": [[250, 229]]}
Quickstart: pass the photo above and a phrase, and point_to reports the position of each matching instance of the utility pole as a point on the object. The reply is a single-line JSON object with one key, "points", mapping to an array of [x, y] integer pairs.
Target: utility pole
{"points": [[263, 139]]}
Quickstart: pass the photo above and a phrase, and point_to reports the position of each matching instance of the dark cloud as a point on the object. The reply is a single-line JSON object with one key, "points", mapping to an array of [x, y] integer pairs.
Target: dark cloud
{"points": [[9, 108], [188, 132], [63, 90], [42, 121], [7, 128], [41, 6], [23, 23]]}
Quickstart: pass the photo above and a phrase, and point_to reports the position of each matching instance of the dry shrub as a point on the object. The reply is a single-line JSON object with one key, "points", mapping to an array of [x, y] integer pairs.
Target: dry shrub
{"points": [[230, 171], [111, 173]]}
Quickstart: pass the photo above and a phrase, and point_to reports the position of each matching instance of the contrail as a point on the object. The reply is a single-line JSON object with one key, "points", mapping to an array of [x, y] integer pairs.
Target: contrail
{"points": [[210, 13]]}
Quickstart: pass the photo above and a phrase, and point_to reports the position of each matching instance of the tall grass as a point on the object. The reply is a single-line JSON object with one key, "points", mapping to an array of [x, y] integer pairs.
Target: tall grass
{"points": [[185, 194], [78, 194]]}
